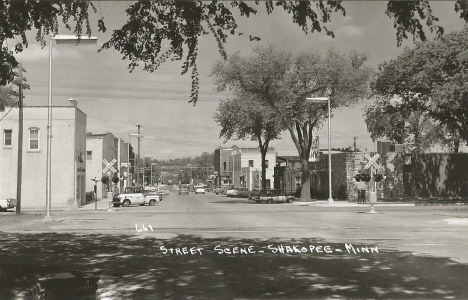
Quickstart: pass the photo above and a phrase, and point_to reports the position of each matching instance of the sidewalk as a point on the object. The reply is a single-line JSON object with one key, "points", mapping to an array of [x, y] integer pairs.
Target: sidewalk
{"points": [[350, 204], [102, 204]]}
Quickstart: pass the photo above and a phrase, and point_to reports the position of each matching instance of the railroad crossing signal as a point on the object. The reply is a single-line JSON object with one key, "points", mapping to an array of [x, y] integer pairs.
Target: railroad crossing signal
{"points": [[109, 166], [372, 161]]}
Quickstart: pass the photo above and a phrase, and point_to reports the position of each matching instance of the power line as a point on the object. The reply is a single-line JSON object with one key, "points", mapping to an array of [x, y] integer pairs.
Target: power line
{"points": [[9, 110]]}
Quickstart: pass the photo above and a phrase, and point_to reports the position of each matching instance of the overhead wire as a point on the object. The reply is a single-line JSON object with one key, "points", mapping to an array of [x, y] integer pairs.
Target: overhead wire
{"points": [[9, 110]]}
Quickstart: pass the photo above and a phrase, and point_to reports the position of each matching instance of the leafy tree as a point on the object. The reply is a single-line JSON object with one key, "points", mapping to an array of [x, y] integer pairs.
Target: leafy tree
{"points": [[243, 117], [417, 131], [6, 97], [283, 82], [180, 24], [428, 81]]}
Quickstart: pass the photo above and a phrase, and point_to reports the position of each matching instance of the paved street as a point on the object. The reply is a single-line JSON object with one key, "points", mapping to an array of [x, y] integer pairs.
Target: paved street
{"points": [[213, 247]]}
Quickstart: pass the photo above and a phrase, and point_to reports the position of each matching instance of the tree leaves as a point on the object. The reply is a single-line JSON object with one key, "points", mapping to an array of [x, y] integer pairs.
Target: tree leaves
{"points": [[154, 25], [428, 81]]}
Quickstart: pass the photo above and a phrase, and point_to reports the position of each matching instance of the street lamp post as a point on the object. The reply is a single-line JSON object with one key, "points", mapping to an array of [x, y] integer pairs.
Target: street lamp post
{"points": [[137, 163], [59, 39], [322, 100]]}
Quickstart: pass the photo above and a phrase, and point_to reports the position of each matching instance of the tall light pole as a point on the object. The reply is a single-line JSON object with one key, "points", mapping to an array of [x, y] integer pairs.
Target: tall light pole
{"points": [[59, 39], [323, 100], [137, 164]]}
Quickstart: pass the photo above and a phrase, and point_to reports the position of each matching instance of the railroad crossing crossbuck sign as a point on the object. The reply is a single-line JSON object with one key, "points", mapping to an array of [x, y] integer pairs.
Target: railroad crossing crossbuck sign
{"points": [[372, 161], [109, 166]]}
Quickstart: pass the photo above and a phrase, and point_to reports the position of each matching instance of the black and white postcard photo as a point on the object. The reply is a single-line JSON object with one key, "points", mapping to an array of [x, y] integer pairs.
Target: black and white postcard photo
{"points": [[233, 150]]}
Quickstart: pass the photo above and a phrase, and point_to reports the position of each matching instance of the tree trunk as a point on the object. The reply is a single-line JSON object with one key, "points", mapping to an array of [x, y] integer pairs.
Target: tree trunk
{"points": [[305, 191], [264, 152], [456, 145]]}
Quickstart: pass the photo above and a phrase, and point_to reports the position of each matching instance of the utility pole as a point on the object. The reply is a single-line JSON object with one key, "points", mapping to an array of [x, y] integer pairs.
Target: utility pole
{"points": [[138, 158], [21, 83], [355, 138]]}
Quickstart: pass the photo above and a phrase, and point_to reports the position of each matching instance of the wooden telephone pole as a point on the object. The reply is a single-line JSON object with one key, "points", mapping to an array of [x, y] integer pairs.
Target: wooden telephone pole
{"points": [[21, 83]]}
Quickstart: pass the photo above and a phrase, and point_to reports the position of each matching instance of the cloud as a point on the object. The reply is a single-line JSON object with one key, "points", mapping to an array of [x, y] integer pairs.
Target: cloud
{"points": [[350, 31], [166, 151]]}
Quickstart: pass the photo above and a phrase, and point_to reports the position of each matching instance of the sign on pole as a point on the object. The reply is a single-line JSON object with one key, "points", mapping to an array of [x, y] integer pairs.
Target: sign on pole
{"points": [[314, 149], [109, 166], [372, 161]]}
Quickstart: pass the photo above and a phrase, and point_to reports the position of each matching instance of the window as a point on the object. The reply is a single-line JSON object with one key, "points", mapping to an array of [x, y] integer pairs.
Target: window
{"points": [[251, 164], [33, 139], [224, 166], [89, 155], [7, 135], [266, 164]]}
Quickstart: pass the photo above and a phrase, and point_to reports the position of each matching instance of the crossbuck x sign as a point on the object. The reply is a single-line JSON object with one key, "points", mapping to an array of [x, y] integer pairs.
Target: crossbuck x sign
{"points": [[372, 161], [109, 166]]}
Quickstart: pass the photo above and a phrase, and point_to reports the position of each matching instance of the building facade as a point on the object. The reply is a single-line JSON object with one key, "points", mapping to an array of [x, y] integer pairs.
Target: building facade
{"points": [[246, 167], [100, 147], [68, 150], [222, 166]]}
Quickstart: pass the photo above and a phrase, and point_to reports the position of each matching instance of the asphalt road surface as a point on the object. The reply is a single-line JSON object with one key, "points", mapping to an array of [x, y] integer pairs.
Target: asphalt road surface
{"points": [[213, 247]]}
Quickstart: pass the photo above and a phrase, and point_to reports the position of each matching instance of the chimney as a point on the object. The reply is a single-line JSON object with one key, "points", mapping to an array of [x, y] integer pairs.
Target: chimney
{"points": [[73, 102]]}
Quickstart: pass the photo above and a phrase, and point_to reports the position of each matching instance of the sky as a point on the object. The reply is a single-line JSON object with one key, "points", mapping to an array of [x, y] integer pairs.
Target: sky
{"points": [[116, 100]]}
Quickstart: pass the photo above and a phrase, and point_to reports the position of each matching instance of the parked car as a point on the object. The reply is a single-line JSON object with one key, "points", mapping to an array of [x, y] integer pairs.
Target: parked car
{"points": [[218, 190], [233, 192], [253, 193], [270, 196], [150, 188], [199, 190], [7, 203], [183, 190], [243, 192], [135, 195]]}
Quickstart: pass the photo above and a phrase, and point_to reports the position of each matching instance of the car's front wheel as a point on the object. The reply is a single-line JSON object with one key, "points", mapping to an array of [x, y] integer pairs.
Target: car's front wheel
{"points": [[289, 200], [152, 202], [126, 203], [269, 201]]}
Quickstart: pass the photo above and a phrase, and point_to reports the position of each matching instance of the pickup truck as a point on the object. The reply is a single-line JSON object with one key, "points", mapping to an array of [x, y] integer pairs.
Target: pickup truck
{"points": [[135, 195], [270, 196], [7, 203]]}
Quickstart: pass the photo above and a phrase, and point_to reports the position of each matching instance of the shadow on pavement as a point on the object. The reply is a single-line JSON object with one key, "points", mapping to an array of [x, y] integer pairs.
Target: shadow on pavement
{"points": [[74, 266]]}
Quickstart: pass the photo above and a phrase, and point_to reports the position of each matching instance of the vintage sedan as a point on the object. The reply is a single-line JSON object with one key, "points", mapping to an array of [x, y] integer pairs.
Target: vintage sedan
{"points": [[218, 190], [233, 192], [273, 196], [183, 190], [200, 190]]}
